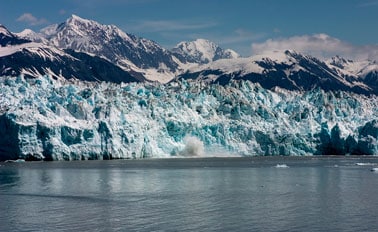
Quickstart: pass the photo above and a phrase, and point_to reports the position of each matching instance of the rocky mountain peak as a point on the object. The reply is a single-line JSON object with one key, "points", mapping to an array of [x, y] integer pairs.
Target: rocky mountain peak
{"points": [[7, 38]]}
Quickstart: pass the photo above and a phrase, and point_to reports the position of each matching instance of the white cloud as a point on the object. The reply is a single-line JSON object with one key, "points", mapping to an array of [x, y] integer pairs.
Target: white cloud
{"points": [[319, 45], [31, 19]]}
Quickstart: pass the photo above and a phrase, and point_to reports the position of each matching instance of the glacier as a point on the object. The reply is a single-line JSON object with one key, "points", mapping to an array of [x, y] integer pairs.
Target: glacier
{"points": [[47, 119]]}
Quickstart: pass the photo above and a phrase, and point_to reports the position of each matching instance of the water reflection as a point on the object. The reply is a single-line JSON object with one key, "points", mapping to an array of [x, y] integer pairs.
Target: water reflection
{"points": [[117, 196], [8, 177]]}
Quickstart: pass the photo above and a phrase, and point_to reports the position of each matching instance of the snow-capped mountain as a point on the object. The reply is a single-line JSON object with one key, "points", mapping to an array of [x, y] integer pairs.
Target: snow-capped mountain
{"points": [[289, 70], [202, 51], [365, 70], [31, 35], [350, 67], [110, 42], [31, 59]]}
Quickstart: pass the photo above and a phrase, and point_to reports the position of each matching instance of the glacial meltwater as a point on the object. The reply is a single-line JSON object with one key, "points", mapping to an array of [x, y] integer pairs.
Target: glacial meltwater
{"points": [[194, 194]]}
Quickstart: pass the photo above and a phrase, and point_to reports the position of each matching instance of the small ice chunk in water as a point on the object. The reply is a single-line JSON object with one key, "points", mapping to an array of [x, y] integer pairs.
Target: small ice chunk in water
{"points": [[281, 166], [374, 169], [365, 164], [15, 161]]}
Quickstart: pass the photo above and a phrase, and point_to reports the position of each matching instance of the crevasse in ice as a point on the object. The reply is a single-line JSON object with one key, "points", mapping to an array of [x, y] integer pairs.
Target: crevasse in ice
{"points": [[60, 120]]}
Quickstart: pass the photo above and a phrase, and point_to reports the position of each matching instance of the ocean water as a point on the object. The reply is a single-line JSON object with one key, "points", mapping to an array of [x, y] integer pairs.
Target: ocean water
{"points": [[213, 194]]}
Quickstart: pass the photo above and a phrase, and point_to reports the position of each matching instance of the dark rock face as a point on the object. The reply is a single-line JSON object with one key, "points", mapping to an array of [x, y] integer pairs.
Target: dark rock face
{"points": [[7, 38]]}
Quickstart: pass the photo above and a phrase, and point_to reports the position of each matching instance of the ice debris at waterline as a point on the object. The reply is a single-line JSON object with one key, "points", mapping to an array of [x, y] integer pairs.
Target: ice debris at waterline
{"points": [[61, 120], [193, 147], [365, 164], [281, 166]]}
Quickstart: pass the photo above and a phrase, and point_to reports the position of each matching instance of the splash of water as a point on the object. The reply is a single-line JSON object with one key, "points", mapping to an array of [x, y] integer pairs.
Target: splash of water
{"points": [[193, 147]]}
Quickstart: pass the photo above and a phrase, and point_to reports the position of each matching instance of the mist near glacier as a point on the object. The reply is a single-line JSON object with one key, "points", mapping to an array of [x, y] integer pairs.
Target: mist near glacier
{"points": [[47, 119], [193, 147]]}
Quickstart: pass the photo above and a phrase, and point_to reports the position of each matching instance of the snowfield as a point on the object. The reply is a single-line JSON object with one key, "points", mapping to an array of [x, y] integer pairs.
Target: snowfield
{"points": [[51, 119]]}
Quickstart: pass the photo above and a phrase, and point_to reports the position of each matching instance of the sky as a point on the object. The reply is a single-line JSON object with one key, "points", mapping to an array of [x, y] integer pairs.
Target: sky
{"points": [[322, 28]]}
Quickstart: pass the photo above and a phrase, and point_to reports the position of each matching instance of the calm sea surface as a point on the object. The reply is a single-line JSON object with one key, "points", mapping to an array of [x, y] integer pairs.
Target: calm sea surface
{"points": [[217, 194]]}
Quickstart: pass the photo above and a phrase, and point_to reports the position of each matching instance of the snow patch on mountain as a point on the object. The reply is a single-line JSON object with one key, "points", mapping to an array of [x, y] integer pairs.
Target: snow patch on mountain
{"points": [[230, 54], [238, 65], [354, 68], [49, 30], [44, 51]]}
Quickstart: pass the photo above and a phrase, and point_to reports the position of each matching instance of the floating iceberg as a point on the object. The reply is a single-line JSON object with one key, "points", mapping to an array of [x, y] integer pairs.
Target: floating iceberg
{"points": [[365, 164], [46, 119], [281, 166]]}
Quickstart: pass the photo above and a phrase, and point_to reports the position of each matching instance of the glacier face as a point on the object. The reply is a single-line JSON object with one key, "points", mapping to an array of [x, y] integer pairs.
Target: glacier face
{"points": [[65, 120]]}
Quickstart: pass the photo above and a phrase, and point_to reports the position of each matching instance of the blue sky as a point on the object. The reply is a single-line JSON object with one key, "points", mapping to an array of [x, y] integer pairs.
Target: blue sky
{"points": [[246, 26]]}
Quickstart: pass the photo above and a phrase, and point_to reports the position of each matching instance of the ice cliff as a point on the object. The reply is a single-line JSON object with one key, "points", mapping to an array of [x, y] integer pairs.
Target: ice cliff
{"points": [[51, 119]]}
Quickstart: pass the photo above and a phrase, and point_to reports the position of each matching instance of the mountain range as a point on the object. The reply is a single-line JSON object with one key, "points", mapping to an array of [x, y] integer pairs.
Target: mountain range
{"points": [[87, 50]]}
